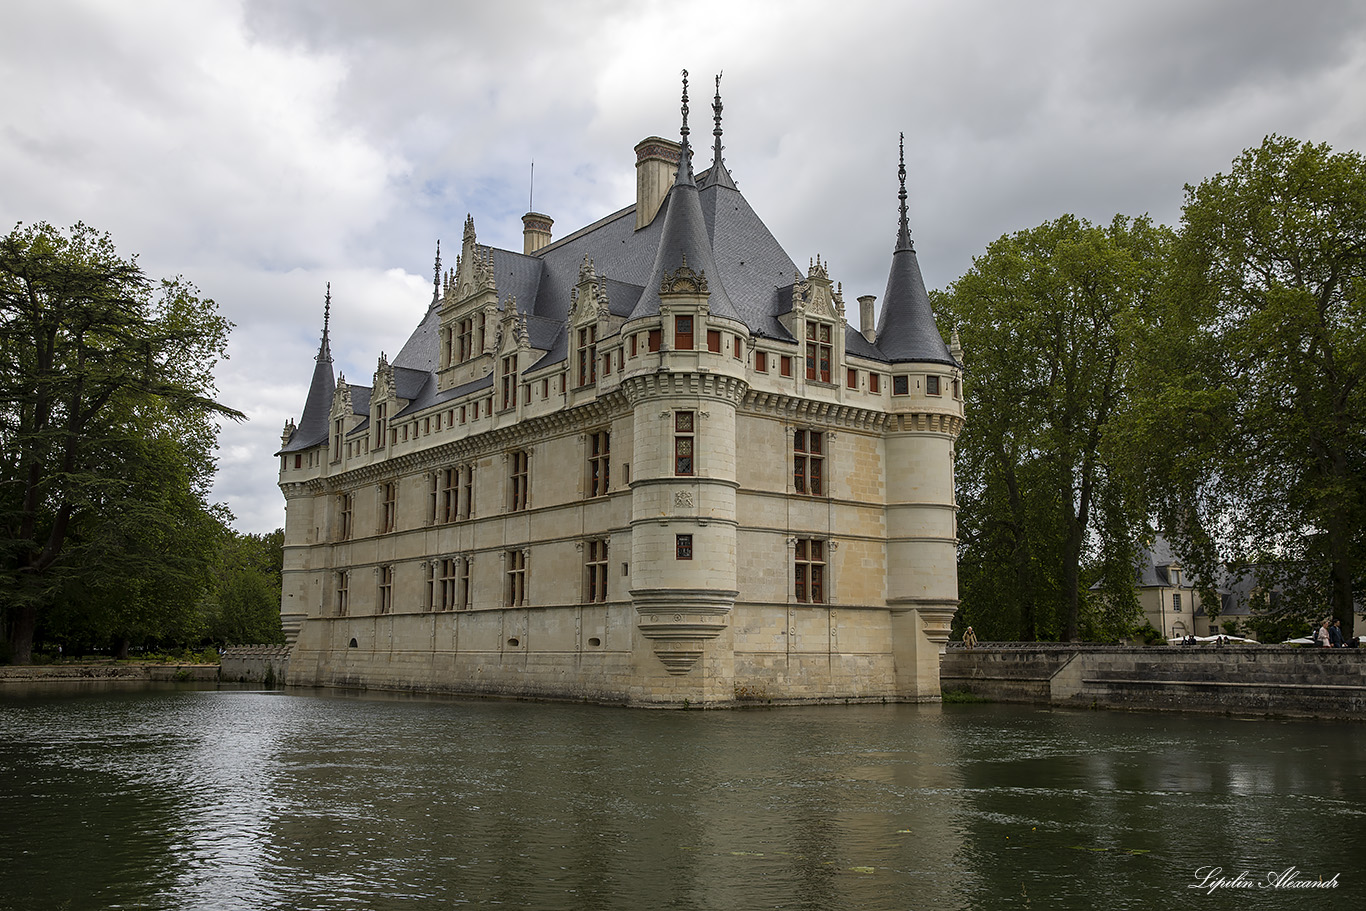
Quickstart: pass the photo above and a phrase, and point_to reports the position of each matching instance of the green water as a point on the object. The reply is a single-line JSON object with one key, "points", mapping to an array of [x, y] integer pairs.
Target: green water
{"points": [[183, 798]]}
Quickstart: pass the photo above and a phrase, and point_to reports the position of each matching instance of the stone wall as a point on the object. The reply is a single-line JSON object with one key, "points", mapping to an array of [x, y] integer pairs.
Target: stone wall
{"points": [[115, 673], [265, 664], [1259, 679]]}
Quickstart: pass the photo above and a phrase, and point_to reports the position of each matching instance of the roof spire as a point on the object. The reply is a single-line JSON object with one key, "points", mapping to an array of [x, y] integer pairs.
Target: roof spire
{"points": [[436, 275], [716, 108], [325, 350], [903, 235], [718, 175], [685, 159]]}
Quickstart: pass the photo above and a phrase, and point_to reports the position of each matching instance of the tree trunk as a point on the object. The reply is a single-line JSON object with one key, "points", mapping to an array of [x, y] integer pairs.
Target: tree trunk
{"points": [[21, 634]]}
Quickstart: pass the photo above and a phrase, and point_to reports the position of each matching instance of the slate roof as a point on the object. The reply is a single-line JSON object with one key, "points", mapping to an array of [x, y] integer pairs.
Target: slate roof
{"points": [[313, 425], [749, 276]]}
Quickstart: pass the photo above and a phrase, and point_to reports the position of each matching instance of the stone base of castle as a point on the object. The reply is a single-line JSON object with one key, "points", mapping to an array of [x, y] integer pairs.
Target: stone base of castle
{"points": [[776, 654]]}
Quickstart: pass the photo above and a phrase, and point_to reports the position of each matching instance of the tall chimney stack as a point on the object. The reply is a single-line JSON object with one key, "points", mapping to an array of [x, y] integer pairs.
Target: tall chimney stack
{"points": [[865, 318], [535, 231], [656, 165]]}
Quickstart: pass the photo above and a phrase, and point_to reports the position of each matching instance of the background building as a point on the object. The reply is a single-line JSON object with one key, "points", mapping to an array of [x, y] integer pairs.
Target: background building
{"points": [[649, 462]]}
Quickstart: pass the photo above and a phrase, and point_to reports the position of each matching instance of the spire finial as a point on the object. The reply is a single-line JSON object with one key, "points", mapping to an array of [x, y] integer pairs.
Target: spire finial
{"points": [[324, 349], [686, 160], [716, 107], [436, 274], [903, 237]]}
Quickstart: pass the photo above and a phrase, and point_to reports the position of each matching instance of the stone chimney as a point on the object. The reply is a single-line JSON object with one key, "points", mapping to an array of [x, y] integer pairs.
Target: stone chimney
{"points": [[656, 165], [865, 318], [535, 231]]}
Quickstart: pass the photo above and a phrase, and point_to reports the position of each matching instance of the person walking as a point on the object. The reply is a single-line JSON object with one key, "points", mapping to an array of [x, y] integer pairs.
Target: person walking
{"points": [[1335, 634], [1322, 638], [969, 638]]}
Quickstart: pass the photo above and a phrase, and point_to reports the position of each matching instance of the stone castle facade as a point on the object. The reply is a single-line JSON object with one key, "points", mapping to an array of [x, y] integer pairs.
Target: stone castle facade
{"points": [[648, 463]]}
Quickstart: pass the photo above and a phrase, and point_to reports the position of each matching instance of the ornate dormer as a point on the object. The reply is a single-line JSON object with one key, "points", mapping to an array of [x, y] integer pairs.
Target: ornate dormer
{"points": [[384, 404], [469, 314], [342, 419], [816, 321], [287, 432]]}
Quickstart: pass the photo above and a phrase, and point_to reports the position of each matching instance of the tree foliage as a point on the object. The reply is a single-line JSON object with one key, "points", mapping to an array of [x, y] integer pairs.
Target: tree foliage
{"points": [[244, 605], [1047, 319], [106, 437], [1264, 461]]}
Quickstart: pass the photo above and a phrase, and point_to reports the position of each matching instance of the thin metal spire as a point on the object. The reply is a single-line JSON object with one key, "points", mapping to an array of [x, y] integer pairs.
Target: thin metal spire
{"points": [[716, 107], [903, 236], [436, 274], [531, 192], [325, 350], [686, 160]]}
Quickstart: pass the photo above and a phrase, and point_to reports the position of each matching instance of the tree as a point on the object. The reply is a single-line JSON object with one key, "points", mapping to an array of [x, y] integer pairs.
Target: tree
{"points": [[244, 606], [1047, 320], [1270, 306], [106, 425]]}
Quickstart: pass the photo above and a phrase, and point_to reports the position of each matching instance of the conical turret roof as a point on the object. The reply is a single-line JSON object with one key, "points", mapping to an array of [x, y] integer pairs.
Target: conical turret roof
{"points": [[313, 426], [906, 330], [684, 238]]}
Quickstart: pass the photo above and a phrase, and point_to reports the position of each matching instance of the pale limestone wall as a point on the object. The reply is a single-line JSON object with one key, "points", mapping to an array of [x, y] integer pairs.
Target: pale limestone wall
{"points": [[716, 629]]}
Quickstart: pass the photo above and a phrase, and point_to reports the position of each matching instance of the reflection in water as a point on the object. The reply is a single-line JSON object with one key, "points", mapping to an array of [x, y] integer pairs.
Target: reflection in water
{"points": [[232, 799]]}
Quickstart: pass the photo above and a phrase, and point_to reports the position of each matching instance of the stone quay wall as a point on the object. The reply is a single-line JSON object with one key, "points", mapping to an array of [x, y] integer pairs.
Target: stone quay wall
{"points": [[1232, 679], [24, 674], [266, 664]]}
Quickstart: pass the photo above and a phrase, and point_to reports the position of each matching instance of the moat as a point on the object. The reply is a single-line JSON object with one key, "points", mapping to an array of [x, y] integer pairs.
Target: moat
{"points": [[184, 797]]}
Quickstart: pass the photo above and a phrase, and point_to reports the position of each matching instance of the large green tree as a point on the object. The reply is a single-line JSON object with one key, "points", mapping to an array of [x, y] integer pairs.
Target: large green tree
{"points": [[1263, 463], [106, 433], [243, 608], [1047, 320]]}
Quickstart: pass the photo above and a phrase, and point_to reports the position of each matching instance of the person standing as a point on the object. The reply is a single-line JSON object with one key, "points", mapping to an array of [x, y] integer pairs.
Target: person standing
{"points": [[1322, 638], [1335, 634], [969, 638]]}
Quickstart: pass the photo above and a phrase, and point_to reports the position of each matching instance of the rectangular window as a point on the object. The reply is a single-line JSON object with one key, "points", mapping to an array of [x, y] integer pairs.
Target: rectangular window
{"points": [[388, 514], [516, 578], [588, 355], [509, 378], [464, 603], [931, 385], [427, 425], [386, 589], [518, 478], [337, 429], [818, 352], [683, 333], [434, 499], [851, 378], [808, 462], [595, 571], [635, 342], [714, 340], [298, 461], [346, 509], [1176, 602], [683, 547], [448, 510], [957, 391], [467, 493], [466, 345], [447, 589], [901, 385], [381, 412], [761, 361], [683, 442], [599, 463], [655, 337], [343, 594], [607, 364], [429, 570], [810, 567], [462, 414], [785, 365], [875, 383], [545, 388]]}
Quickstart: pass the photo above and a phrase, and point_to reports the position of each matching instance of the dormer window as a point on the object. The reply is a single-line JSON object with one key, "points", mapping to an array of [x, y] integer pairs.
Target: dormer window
{"points": [[588, 355], [818, 350], [683, 333], [381, 424], [509, 378]]}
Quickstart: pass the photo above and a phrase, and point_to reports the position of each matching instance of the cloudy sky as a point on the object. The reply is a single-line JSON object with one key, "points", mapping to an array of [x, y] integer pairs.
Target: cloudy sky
{"points": [[264, 149]]}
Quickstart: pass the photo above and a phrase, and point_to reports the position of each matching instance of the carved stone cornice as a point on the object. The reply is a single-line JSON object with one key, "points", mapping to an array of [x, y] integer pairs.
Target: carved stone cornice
{"points": [[641, 386], [681, 621]]}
